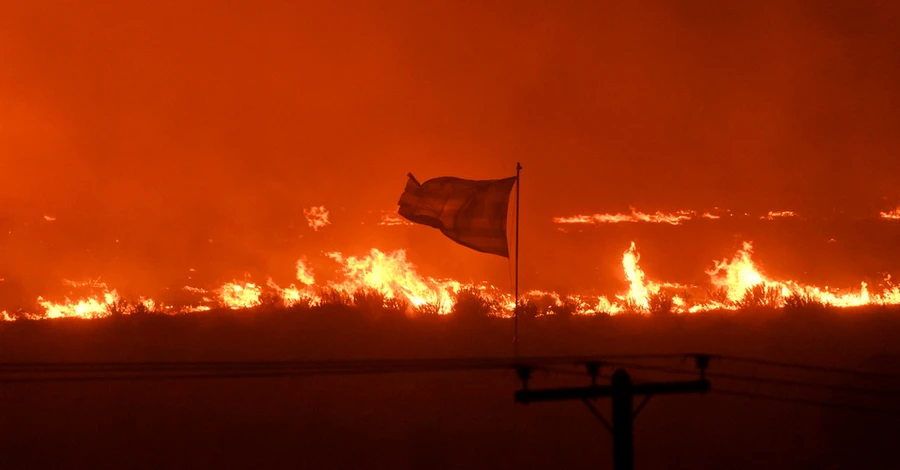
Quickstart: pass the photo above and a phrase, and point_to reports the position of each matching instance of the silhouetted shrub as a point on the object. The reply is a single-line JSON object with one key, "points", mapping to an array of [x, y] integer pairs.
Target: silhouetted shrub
{"points": [[21, 314], [301, 304], [428, 309], [331, 296], [270, 300], [661, 304], [567, 308], [471, 304], [396, 307], [631, 307], [761, 295], [117, 308], [718, 294], [369, 300], [543, 304], [527, 309], [685, 295], [802, 301], [138, 308]]}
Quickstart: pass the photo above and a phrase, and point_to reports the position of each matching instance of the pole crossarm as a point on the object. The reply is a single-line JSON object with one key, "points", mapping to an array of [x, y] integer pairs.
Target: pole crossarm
{"points": [[578, 393], [622, 391]]}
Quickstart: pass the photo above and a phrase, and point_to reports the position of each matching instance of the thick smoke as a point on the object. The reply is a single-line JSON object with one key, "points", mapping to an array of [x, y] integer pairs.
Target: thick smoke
{"points": [[176, 135]]}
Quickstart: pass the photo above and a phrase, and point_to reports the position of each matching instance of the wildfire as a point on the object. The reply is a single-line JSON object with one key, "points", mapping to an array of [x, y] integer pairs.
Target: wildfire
{"points": [[658, 218], [391, 219], [682, 216], [639, 290], [736, 276], [317, 217], [778, 215], [90, 307], [240, 295], [391, 280], [304, 274], [394, 277], [891, 215]]}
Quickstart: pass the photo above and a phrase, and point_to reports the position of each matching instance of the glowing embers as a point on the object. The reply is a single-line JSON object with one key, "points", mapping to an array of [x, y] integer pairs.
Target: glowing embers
{"points": [[772, 215], [891, 215], [391, 219], [317, 217], [671, 218], [674, 218]]}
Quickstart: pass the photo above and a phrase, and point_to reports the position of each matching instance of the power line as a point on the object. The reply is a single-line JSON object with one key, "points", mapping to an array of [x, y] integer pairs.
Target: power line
{"points": [[766, 380], [437, 364], [808, 367], [797, 383], [44, 372], [121, 375], [188, 376], [804, 401]]}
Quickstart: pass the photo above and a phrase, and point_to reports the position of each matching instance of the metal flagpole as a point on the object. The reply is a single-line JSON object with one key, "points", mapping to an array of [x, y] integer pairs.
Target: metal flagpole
{"points": [[516, 311]]}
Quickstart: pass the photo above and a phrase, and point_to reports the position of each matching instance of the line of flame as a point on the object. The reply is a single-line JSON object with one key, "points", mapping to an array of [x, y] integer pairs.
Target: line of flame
{"points": [[735, 282]]}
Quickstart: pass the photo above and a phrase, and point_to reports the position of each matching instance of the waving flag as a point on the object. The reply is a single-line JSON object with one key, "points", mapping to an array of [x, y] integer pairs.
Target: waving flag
{"points": [[471, 213]]}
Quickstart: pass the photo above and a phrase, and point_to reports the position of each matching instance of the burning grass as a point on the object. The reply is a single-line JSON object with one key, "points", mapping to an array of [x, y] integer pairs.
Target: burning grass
{"points": [[387, 284], [469, 304]]}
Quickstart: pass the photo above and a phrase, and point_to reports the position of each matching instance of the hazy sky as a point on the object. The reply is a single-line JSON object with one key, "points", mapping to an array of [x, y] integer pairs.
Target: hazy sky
{"points": [[180, 121]]}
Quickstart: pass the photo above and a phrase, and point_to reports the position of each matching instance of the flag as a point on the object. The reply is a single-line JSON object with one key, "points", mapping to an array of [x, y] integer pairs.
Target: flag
{"points": [[471, 213]]}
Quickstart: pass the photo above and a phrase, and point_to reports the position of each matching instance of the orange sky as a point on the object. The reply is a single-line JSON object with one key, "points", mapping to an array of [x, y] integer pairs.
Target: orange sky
{"points": [[169, 123]]}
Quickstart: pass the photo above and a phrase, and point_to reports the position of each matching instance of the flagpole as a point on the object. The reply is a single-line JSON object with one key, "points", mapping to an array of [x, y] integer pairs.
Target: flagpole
{"points": [[516, 314]]}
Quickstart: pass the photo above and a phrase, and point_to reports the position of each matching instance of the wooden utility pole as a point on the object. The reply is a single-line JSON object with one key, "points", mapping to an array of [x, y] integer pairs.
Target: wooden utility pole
{"points": [[622, 391]]}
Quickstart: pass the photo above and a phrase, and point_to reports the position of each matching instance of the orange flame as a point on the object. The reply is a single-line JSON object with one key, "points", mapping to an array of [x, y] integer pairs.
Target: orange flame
{"points": [[304, 274], [317, 217], [91, 307], [772, 215], [391, 219], [675, 218], [659, 217], [891, 215], [639, 291], [236, 295], [394, 277], [736, 276]]}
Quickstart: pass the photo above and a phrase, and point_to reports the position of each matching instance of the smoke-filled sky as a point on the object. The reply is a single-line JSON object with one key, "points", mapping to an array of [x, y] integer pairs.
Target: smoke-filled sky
{"points": [[165, 124]]}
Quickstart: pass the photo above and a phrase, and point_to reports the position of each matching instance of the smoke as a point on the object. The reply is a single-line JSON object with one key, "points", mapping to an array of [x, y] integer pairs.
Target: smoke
{"points": [[171, 134]]}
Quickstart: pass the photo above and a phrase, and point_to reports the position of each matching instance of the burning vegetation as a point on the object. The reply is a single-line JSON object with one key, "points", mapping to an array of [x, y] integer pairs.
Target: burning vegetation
{"points": [[381, 281]]}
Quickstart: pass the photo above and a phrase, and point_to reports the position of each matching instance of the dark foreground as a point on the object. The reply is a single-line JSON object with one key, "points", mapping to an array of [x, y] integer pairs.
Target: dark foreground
{"points": [[449, 419]]}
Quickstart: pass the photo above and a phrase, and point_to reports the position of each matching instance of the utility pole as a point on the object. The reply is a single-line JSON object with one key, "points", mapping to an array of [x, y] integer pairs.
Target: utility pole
{"points": [[622, 391]]}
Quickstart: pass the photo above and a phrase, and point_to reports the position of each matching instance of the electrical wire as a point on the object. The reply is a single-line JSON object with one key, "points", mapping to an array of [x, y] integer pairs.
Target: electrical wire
{"points": [[804, 401], [436, 364], [808, 367], [48, 372], [754, 379]]}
